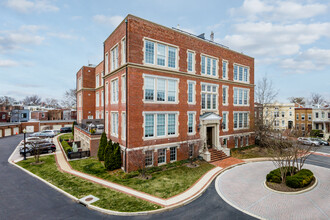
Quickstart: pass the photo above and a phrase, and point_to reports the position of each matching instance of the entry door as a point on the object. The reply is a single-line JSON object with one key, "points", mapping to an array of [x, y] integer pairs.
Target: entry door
{"points": [[290, 124], [209, 131]]}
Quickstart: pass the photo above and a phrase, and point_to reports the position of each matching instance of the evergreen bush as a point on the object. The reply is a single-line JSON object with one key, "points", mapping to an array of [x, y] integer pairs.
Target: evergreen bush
{"points": [[102, 146]]}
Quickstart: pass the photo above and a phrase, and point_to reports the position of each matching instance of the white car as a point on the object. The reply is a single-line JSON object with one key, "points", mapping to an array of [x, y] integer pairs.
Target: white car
{"points": [[308, 141], [46, 133]]}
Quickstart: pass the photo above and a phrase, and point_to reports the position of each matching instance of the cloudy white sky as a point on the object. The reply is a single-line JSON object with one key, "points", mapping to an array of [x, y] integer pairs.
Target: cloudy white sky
{"points": [[43, 43]]}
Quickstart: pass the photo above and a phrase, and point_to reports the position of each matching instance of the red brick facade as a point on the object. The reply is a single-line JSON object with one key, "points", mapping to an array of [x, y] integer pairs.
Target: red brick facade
{"points": [[135, 107]]}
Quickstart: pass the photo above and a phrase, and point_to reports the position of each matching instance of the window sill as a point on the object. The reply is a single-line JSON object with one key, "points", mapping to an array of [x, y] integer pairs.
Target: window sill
{"points": [[159, 138]]}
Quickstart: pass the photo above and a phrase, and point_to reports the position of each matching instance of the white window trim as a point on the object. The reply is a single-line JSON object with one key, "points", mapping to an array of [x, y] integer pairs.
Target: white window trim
{"points": [[194, 122], [176, 153], [123, 90], [227, 124], [227, 65], [152, 157], [166, 54], [248, 96], [164, 156], [97, 101], [106, 93], [112, 68], [227, 95], [97, 81], [217, 98], [97, 114], [166, 89], [102, 98], [216, 67], [248, 76], [117, 91], [155, 137], [123, 127], [106, 122], [248, 120], [122, 50], [194, 92], [193, 62], [106, 64], [112, 122]]}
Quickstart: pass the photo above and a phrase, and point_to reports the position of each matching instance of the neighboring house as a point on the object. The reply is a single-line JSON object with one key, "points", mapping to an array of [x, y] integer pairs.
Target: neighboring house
{"points": [[166, 91], [20, 115], [69, 114], [39, 115], [56, 114], [303, 120], [280, 115], [321, 120], [4, 117], [258, 112]]}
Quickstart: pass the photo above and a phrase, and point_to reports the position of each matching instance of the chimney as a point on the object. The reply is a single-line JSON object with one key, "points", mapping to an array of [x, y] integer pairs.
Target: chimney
{"points": [[212, 36]]}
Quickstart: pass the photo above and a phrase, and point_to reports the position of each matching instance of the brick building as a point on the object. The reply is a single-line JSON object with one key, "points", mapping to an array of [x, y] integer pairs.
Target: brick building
{"points": [[304, 120], [166, 91], [39, 115]]}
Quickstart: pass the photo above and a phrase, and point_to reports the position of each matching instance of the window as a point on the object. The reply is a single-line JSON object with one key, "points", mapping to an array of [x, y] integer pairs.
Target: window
{"points": [[297, 126], [106, 64], [297, 116], [123, 125], [241, 120], [283, 114], [97, 81], [208, 66], [309, 117], [166, 55], [106, 93], [102, 75], [247, 141], [172, 154], [241, 141], [102, 98], [123, 89], [190, 61], [236, 142], [209, 96], [323, 114], [303, 117], [166, 89], [225, 95], [290, 113], [276, 123], [114, 123], [106, 122], [328, 114], [191, 150], [224, 69], [160, 124], [316, 115], [191, 92], [162, 155], [283, 123], [123, 51], [114, 58], [114, 96], [97, 114], [225, 121], [79, 101], [79, 83], [97, 100], [191, 122], [303, 127], [148, 158], [241, 96], [225, 141], [241, 73]]}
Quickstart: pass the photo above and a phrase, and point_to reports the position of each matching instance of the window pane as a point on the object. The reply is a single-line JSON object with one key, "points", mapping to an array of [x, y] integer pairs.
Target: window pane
{"points": [[208, 67], [214, 66], [203, 101], [245, 74], [172, 153], [203, 88], [148, 158], [224, 69], [190, 122], [224, 95], [235, 96], [171, 90], [160, 89], [245, 97], [235, 72], [224, 121], [208, 101], [149, 88], [190, 92], [161, 155], [171, 56], [240, 74], [203, 65], [161, 54], [171, 124], [190, 61], [245, 120], [235, 120], [149, 51], [214, 101], [240, 120], [149, 125], [160, 124], [240, 97]]}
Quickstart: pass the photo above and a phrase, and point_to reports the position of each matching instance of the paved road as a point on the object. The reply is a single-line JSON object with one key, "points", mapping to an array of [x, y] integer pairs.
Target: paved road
{"points": [[24, 197]]}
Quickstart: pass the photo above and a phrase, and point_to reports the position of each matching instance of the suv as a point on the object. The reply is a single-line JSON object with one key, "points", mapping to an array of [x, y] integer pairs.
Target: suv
{"points": [[66, 130]]}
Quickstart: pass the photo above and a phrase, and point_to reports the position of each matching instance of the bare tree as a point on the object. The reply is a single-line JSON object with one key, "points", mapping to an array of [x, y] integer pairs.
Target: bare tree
{"points": [[138, 159], [316, 99], [35, 150], [70, 99], [265, 92], [32, 100], [7, 100], [52, 103], [298, 100]]}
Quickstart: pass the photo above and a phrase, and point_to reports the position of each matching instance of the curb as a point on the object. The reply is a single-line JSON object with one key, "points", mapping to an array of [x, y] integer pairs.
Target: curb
{"points": [[293, 193]]}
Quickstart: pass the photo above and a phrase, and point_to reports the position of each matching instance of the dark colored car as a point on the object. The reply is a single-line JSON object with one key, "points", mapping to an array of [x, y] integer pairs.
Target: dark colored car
{"points": [[42, 148], [66, 130]]}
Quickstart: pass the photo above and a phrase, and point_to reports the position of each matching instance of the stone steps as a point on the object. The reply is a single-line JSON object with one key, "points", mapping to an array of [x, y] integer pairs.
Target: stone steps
{"points": [[217, 155]]}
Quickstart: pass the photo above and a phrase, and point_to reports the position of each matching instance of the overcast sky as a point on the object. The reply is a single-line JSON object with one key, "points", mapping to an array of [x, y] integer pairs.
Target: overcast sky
{"points": [[44, 43]]}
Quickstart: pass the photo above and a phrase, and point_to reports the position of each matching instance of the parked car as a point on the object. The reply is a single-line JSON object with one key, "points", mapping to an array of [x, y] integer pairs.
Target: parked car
{"points": [[309, 141], [36, 140], [42, 147], [44, 134], [321, 142], [66, 130]]}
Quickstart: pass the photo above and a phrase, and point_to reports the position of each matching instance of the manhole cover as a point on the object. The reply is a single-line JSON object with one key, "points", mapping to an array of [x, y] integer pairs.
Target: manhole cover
{"points": [[89, 199]]}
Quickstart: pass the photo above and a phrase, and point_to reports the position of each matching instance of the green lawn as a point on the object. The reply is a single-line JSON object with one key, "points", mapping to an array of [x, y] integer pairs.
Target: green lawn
{"points": [[66, 136], [78, 187], [163, 184], [250, 152]]}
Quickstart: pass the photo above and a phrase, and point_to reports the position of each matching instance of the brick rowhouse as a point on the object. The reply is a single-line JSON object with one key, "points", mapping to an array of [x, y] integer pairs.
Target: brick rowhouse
{"points": [[165, 92]]}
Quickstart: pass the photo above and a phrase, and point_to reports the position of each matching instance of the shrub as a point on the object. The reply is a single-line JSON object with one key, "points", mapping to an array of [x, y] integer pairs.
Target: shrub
{"points": [[274, 176], [315, 133], [66, 147], [102, 146], [301, 179], [241, 148], [117, 156], [108, 156]]}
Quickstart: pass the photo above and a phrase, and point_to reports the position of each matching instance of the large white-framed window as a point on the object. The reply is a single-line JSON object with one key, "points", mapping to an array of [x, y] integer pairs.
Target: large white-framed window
{"points": [[225, 95], [123, 88], [106, 93], [160, 54], [79, 101], [102, 75], [114, 124], [241, 73], [79, 86], [97, 116], [114, 58], [123, 51], [191, 123], [191, 92], [123, 125], [241, 120], [158, 89], [97, 80], [241, 96], [209, 65], [106, 122], [97, 99], [160, 124], [173, 154], [191, 61], [224, 69], [106, 63], [303, 117], [161, 156], [114, 91], [309, 117], [225, 121], [149, 158], [102, 98], [209, 93]]}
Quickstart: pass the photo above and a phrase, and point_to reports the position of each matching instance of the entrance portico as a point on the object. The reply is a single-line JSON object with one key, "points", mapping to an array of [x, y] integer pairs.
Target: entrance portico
{"points": [[209, 129]]}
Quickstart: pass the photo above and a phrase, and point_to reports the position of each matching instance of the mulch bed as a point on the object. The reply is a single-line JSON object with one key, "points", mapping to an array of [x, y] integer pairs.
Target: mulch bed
{"points": [[284, 188]]}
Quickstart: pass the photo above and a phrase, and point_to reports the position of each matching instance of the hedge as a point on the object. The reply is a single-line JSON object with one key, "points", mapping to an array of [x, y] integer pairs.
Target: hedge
{"points": [[301, 179], [67, 148], [275, 175], [242, 148]]}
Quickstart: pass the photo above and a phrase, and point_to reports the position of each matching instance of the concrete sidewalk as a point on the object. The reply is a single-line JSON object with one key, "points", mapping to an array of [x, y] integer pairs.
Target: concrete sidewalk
{"points": [[181, 199]]}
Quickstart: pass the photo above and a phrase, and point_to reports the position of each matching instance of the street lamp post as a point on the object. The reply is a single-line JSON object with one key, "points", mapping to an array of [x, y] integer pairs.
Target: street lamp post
{"points": [[24, 132]]}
